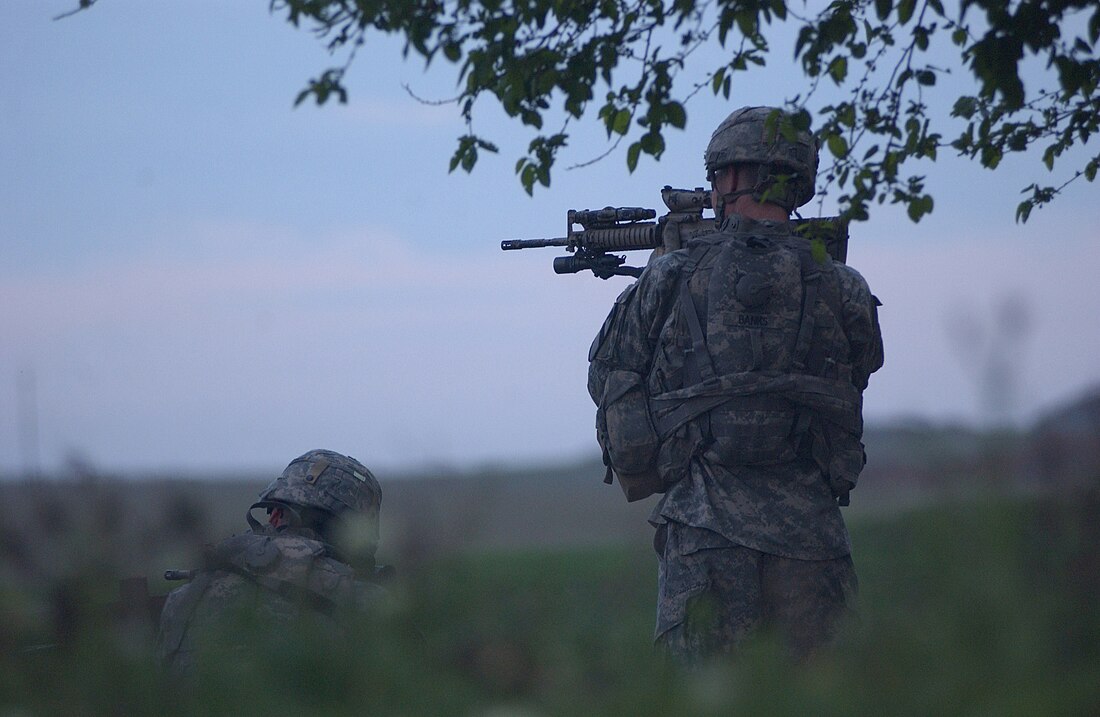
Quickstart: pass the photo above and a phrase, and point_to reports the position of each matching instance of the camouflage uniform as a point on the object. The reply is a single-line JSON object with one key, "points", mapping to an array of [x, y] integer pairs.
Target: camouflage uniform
{"points": [[758, 408], [270, 579]]}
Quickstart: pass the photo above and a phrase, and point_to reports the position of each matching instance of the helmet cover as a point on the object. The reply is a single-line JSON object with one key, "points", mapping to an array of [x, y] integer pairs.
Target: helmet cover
{"points": [[750, 136], [328, 481]]}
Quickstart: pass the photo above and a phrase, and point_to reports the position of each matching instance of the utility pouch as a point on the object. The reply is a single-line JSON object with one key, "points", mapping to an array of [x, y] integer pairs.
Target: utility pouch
{"points": [[631, 440], [845, 465]]}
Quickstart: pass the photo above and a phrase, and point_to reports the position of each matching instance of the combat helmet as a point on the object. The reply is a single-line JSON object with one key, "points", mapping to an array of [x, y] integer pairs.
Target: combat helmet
{"points": [[325, 481], [745, 137]]}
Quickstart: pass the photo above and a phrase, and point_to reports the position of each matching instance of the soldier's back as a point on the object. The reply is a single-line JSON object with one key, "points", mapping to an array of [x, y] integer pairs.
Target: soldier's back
{"points": [[253, 592]]}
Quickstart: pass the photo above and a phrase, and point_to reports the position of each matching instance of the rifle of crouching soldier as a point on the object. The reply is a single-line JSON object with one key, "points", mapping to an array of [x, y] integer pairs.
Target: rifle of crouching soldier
{"points": [[621, 229]]}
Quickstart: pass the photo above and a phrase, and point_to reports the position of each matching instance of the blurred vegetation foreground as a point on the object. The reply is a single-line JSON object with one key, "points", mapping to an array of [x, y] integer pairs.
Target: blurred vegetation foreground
{"points": [[532, 593]]}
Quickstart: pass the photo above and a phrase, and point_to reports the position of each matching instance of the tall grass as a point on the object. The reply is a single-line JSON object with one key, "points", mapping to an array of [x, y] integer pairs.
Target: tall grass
{"points": [[983, 607]]}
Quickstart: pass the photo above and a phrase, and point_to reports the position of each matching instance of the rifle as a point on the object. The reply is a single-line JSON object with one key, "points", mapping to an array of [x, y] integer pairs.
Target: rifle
{"points": [[621, 229]]}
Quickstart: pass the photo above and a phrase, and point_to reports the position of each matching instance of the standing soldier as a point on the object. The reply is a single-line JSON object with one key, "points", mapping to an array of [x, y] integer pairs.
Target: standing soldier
{"points": [[314, 559], [730, 377]]}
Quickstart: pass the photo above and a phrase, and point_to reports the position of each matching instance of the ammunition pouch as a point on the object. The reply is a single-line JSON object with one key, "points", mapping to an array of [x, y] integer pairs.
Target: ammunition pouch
{"points": [[626, 433], [840, 455]]}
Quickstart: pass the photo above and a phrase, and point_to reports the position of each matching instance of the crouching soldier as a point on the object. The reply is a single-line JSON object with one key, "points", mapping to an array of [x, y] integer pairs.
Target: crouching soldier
{"points": [[314, 559]]}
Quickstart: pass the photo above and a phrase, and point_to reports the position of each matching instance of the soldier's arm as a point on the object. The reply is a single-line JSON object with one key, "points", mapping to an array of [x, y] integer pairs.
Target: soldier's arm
{"points": [[861, 325]]}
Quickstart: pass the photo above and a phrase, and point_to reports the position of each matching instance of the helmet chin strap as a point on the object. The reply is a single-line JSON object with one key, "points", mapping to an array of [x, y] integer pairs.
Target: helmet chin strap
{"points": [[729, 198], [757, 190], [294, 520]]}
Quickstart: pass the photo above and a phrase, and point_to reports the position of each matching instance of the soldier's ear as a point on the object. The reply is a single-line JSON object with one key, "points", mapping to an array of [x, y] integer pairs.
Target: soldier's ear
{"points": [[275, 517]]}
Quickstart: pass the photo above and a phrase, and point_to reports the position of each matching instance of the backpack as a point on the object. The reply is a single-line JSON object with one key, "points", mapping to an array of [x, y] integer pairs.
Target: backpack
{"points": [[764, 383]]}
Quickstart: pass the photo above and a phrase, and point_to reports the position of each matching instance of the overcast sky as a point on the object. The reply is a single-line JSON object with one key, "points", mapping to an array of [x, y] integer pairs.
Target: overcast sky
{"points": [[194, 275]]}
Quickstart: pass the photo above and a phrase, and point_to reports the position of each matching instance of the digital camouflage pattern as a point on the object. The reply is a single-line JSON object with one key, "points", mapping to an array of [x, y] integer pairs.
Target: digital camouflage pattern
{"points": [[713, 594], [759, 412], [269, 581], [328, 481], [753, 135]]}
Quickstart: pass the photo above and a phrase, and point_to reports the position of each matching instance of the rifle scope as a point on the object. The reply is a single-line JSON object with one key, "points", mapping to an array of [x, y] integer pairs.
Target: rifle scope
{"points": [[609, 216]]}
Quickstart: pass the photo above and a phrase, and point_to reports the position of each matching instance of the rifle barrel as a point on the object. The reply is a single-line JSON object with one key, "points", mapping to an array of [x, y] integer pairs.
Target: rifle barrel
{"points": [[532, 243]]}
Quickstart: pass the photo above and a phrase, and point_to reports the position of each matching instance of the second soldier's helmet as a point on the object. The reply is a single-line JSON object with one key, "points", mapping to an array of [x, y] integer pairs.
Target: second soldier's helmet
{"points": [[753, 135], [326, 481]]}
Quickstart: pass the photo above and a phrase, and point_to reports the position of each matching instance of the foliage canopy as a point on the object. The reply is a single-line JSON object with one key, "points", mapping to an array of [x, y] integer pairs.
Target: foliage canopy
{"points": [[868, 69]]}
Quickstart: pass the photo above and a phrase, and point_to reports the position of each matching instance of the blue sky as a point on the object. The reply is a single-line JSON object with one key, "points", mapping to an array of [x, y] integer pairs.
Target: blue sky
{"points": [[194, 275]]}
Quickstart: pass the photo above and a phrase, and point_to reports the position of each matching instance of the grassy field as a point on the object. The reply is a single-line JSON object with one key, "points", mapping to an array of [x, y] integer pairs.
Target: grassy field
{"points": [[981, 607]]}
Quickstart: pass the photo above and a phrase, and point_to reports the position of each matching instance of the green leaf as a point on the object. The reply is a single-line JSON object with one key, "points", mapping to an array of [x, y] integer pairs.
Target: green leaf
{"points": [[653, 143], [926, 77], [818, 250], [527, 178], [838, 69], [622, 122], [469, 159], [883, 8], [837, 145], [1023, 211], [531, 118], [632, 153], [965, 107], [919, 206], [905, 10], [675, 115], [991, 156], [920, 37], [1048, 157], [459, 157]]}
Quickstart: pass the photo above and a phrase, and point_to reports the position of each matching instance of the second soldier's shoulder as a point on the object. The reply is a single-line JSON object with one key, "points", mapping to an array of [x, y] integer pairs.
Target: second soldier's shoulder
{"points": [[209, 589]]}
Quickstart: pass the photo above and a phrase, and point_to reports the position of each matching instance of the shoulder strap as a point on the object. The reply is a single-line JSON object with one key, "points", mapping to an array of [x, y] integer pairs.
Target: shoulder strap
{"points": [[811, 285], [698, 365]]}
